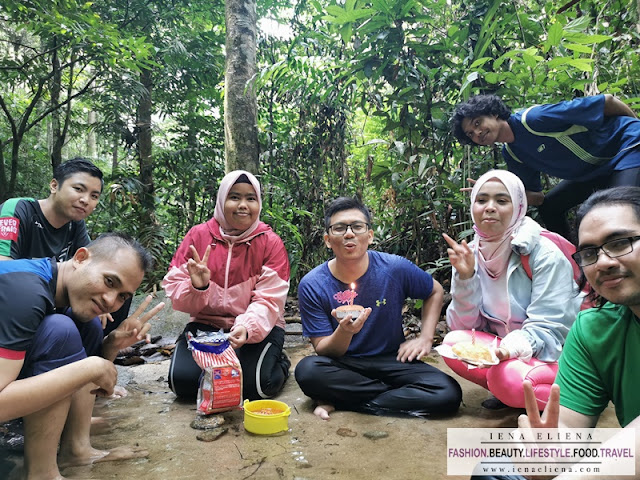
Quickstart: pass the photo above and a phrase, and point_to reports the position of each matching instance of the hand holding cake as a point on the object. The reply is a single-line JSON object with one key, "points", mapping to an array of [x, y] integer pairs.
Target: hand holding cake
{"points": [[350, 324], [348, 313], [348, 308]]}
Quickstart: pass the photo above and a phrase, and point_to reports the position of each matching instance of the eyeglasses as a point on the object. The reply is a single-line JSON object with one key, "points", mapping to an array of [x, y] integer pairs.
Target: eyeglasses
{"points": [[341, 228], [614, 248]]}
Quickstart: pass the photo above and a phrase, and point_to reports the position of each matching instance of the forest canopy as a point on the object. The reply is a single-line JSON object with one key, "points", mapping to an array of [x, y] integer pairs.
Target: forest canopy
{"points": [[354, 98]]}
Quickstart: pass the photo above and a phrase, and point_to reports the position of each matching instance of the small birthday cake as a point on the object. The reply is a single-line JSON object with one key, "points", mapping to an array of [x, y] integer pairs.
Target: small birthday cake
{"points": [[353, 310], [348, 308]]}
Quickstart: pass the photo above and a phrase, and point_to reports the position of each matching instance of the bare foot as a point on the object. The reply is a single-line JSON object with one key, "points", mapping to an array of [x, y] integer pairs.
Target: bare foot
{"points": [[101, 425], [99, 421], [119, 392], [96, 456], [323, 411]]}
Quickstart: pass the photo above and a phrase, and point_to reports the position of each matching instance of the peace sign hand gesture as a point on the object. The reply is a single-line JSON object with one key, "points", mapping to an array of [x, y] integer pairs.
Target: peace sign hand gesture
{"points": [[549, 419], [134, 329], [551, 414], [198, 269], [461, 257]]}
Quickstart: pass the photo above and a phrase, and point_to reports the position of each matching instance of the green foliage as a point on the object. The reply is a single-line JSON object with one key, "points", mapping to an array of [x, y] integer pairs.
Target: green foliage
{"points": [[356, 102], [120, 209], [284, 217], [413, 61]]}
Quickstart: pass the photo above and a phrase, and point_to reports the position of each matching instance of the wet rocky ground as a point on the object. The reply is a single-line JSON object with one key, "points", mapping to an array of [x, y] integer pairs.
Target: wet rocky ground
{"points": [[349, 446]]}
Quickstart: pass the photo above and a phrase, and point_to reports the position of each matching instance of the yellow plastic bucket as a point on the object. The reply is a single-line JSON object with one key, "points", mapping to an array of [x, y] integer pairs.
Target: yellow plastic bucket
{"points": [[266, 424]]}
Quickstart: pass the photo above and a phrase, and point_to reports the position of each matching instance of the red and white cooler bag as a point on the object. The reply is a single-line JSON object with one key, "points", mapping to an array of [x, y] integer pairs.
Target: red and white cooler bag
{"points": [[221, 380]]}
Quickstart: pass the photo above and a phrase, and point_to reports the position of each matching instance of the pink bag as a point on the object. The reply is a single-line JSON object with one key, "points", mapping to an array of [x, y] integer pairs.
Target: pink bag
{"points": [[567, 248], [221, 380]]}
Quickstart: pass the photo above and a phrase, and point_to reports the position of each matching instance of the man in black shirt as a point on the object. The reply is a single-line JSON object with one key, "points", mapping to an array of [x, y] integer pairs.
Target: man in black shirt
{"points": [[54, 226]]}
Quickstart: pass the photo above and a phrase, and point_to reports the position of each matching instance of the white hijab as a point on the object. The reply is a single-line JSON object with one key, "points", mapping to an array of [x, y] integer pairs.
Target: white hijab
{"points": [[227, 182], [494, 251]]}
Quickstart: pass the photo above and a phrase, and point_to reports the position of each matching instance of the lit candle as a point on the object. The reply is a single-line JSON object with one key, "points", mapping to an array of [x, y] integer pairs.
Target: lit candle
{"points": [[346, 297], [473, 336]]}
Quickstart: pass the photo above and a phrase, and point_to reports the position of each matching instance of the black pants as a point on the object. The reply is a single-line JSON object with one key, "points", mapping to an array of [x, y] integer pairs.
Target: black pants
{"points": [[568, 193], [264, 366], [379, 385], [61, 340]]}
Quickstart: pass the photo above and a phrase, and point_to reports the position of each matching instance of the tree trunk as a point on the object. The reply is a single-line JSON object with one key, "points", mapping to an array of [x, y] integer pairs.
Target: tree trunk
{"points": [[60, 118], [240, 104], [92, 151], [55, 148], [3, 179], [144, 142], [114, 155], [15, 160]]}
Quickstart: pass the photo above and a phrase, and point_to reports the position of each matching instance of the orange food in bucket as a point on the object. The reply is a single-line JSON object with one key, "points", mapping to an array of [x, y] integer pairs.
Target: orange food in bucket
{"points": [[268, 411]]}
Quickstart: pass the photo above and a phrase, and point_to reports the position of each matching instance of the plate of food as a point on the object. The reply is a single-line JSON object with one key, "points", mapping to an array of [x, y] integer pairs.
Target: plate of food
{"points": [[475, 354]]}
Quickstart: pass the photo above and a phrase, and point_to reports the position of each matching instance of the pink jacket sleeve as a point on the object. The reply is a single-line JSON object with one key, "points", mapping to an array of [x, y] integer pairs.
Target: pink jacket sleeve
{"points": [[184, 296], [269, 295], [177, 282]]}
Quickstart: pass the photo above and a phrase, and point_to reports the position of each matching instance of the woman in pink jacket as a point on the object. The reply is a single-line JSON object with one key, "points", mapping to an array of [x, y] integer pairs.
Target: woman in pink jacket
{"points": [[232, 272]]}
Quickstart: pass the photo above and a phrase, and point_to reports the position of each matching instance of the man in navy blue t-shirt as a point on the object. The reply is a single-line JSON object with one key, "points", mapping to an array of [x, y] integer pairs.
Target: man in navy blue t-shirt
{"points": [[590, 142], [364, 364], [51, 368]]}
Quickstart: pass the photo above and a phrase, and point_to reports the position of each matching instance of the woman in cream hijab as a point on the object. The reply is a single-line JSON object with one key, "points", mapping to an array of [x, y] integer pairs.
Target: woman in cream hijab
{"points": [[527, 317]]}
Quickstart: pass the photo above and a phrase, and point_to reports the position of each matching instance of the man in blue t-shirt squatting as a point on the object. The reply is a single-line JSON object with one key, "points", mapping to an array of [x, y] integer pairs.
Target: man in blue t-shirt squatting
{"points": [[55, 226], [50, 368], [591, 143]]}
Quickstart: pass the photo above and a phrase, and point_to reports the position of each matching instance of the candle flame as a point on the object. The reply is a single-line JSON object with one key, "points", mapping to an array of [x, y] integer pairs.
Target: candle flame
{"points": [[353, 286]]}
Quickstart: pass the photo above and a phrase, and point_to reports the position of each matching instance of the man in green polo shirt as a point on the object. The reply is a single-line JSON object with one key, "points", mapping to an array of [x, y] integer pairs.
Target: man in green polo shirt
{"points": [[601, 355]]}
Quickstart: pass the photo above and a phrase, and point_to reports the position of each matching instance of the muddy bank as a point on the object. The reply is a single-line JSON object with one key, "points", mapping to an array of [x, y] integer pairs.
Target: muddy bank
{"points": [[349, 446]]}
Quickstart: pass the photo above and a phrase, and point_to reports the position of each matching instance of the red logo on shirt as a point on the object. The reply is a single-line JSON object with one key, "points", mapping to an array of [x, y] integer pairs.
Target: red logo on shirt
{"points": [[9, 228]]}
